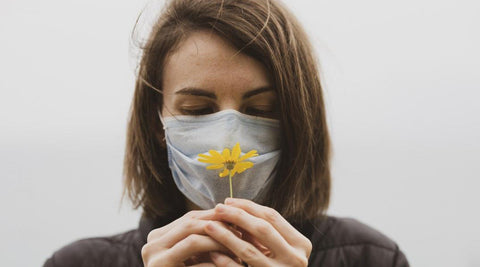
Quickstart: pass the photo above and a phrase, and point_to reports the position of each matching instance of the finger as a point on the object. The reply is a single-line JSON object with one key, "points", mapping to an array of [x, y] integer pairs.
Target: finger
{"points": [[186, 228], [259, 228], [181, 231], [222, 260], [291, 235], [199, 258], [193, 245], [204, 264], [244, 250], [194, 214], [251, 239]]}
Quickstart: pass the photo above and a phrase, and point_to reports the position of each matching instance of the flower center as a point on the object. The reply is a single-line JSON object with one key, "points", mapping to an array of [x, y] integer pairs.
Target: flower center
{"points": [[229, 164]]}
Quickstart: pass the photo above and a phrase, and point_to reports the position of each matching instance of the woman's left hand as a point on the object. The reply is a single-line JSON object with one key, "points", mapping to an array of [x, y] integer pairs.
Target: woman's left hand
{"points": [[273, 241]]}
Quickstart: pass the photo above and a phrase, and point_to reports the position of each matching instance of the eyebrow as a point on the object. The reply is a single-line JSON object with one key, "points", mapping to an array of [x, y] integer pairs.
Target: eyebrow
{"points": [[196, 92], [256, 91], [202, 92]]}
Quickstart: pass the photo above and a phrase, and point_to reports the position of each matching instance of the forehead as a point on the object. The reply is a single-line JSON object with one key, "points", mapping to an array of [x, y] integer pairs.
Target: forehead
{"points": [[208, 61]]}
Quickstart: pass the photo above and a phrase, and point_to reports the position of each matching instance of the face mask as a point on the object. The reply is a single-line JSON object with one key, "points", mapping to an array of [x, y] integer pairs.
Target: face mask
{"points": [[188, 136]]}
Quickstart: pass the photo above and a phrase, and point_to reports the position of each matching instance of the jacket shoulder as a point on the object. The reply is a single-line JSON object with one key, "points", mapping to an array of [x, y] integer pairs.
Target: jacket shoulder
{"points": [[121, 249], [350, 231], [349, 242]]}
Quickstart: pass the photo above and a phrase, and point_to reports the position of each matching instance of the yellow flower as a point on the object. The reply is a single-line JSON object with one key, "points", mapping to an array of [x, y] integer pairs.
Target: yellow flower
{"points": [[230, 163]]}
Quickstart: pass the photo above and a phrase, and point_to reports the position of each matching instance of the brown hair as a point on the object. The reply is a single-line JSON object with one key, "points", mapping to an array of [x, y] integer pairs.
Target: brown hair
{"points": [[268, 32]]}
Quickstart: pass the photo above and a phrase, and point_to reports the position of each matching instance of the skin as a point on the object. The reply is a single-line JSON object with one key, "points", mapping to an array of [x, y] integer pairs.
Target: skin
{"points": [[205, 74], [221, 80]]}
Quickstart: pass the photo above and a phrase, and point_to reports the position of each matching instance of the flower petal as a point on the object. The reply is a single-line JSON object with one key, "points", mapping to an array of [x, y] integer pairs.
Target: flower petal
{"points": [[208, 160], [236, 151], [249, 154], [215, 154], [214, 157], [224, 173], [242, 166], [204, 156], [226, 154], [216, 166]]}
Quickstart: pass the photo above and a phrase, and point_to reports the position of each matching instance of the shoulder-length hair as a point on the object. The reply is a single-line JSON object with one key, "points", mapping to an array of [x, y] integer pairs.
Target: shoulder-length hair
{"points": [[268, 32]]}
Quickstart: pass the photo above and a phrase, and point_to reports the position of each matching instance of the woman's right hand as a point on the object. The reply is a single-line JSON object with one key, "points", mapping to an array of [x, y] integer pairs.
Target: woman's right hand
{"points": [[182, 242]]}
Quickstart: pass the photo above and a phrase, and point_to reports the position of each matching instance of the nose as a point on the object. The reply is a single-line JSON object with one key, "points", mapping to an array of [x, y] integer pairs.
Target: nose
{"points": [[229, 103]]}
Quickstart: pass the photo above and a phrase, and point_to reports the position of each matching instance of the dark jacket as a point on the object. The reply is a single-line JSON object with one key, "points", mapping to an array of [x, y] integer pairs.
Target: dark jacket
{"points": [[336, 242]]}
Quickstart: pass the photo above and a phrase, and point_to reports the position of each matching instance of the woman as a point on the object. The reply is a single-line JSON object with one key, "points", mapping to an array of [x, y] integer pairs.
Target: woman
{"points": [[215, 73]]}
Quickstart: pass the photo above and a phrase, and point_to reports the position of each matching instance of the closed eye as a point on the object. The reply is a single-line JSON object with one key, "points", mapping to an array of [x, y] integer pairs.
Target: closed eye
{"points": [[197, 111], [266, 111]]}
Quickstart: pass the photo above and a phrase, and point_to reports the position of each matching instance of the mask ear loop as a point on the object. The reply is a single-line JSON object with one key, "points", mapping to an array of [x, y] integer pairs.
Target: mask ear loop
{"points": [[163, 124], [161, 119]]}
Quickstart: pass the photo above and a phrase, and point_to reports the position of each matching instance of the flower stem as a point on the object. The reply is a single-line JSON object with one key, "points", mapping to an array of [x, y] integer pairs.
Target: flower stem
{"points": [[230, 180]]}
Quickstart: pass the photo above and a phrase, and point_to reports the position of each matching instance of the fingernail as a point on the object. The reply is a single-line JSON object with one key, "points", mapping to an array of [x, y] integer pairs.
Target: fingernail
{"points": [[229, 200]]}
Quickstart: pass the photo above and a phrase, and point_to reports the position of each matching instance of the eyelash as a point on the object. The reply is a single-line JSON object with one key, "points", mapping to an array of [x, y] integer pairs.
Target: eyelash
{"points": [[258, 112], [197, 112], [209, 110]]}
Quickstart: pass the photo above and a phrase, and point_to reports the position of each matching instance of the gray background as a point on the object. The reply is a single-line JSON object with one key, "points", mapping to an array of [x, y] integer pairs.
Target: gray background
{"points": [[402, 90]]}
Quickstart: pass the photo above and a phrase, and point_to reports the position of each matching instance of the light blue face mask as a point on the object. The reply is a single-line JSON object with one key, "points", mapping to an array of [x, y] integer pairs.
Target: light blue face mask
{"points": [[188, 136]]}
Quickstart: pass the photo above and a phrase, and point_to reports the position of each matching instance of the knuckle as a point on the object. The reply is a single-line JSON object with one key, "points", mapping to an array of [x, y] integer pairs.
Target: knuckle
{"points": [[308, 246], [248, 253], [263, 228], [192, 241], [221, 261], [188, 224], [192, 214], [271, 215], [152, 234], [149, 237], [145, 251], [237, 213], [152, 257]]}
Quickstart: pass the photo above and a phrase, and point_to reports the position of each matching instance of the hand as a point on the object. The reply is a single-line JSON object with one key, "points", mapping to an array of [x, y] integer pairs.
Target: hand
{"points": [[274, 241], [182, 242]]}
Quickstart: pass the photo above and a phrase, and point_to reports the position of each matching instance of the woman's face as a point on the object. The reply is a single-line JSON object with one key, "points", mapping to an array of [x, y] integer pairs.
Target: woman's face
{"points": [[205, 75]]}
